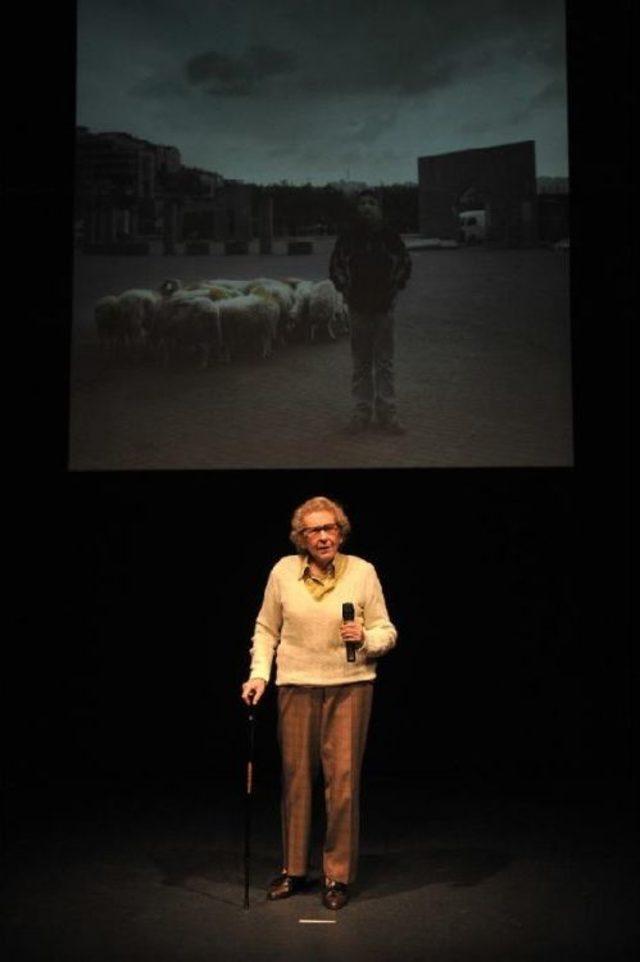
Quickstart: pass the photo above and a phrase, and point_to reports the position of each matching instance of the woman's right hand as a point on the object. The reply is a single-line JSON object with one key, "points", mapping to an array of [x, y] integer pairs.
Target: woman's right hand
{"points": [[253, 690]]}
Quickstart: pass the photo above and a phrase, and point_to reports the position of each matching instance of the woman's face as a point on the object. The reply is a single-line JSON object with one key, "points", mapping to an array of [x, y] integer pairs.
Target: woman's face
{"points": [[322, 536]]}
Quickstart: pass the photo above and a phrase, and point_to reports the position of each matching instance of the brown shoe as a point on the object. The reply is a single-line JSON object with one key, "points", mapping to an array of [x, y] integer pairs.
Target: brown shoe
{"points": [[335, 895], [283, 885]]}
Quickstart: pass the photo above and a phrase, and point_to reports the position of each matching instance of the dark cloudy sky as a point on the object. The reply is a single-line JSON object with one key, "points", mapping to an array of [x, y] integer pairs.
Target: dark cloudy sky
{"points": [[319, 90]]}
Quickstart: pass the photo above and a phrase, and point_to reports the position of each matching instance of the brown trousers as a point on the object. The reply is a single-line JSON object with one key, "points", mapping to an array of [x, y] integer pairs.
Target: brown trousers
{"points": [[327, 725]]}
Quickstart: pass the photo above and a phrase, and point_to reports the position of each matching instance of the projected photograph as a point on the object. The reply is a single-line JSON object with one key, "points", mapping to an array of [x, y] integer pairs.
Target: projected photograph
{"points": [[320, 234]]}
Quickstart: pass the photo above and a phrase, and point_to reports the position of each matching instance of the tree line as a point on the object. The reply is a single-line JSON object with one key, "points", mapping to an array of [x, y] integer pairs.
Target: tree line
{"points": [[307, 209]]}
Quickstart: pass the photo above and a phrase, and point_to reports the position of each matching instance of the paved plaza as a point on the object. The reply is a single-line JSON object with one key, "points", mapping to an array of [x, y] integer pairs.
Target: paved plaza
{"points": [[483, 373]]}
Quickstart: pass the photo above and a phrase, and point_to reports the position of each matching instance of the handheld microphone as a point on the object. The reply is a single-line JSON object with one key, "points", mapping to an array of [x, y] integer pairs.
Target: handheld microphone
{"points": [[348, 614]]}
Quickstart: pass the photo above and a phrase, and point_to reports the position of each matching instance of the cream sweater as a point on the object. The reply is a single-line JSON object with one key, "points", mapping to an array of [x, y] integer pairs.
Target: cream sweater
{"points": [[304, 632]]}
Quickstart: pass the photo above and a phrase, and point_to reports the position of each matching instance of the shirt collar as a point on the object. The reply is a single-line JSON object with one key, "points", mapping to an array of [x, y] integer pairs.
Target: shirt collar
{"points": [[335, 569]]}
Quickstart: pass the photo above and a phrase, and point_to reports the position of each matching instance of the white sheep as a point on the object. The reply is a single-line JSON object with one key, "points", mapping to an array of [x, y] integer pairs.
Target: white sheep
{"points": [[318, 309], [226, 287], [218, 292], [248, 322], [283, 294], [185, 318], [188, 293], [324, 310], [171, 309], [231, 284], [124, 320], [299, 326], [190, 324], [137, 309]]}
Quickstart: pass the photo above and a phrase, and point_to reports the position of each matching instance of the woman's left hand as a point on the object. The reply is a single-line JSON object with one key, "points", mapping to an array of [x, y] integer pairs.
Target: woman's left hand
{"points": [[352, 631]]}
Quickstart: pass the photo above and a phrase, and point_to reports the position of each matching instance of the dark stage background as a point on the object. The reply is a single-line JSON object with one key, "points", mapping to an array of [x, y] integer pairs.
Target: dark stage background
{"points": [[146, 587]]}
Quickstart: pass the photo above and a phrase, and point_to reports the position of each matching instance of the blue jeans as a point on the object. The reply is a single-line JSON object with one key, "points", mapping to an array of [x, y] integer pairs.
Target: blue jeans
{"points": [[372, 383]]}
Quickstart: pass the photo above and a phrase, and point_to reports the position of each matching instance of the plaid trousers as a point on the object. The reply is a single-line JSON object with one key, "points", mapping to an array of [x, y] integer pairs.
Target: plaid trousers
{"points": [[325, 725]]}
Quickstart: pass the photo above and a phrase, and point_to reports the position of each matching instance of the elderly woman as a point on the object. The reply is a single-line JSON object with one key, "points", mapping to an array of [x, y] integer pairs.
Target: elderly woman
{"points": [[324, 698]]}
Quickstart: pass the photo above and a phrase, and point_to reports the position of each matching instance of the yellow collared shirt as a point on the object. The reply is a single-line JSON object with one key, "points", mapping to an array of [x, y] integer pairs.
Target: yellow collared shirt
{"points": [[320, 586]]}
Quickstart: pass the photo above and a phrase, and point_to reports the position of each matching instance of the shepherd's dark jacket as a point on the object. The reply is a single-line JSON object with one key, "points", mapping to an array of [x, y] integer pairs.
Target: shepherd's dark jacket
{"points": [[369, 267]]}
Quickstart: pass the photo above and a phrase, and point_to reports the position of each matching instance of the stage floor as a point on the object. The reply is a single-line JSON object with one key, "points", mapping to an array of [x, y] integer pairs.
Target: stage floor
{"points": [[450, 871]]}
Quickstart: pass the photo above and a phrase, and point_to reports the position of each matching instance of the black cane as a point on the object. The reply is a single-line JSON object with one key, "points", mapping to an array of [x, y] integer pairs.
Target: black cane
{"points": [[247, 807]]}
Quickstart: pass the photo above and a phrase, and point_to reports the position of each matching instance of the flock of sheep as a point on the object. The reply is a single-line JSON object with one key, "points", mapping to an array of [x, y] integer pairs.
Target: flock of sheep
{"points": [[220, 319]]}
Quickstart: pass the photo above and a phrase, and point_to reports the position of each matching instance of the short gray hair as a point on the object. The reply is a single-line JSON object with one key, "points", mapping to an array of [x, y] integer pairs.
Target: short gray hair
{"points": [[319, 503]]}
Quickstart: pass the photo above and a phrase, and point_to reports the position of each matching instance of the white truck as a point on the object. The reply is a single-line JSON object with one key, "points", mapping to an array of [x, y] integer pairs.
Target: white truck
{"points": [[472, 226]]}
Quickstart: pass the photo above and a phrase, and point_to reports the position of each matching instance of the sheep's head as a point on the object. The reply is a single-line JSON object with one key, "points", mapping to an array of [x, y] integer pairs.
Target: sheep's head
{"points": [[170, 286]]}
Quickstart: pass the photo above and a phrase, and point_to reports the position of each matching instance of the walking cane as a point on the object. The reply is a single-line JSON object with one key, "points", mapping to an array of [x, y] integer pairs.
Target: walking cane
{"points": [[247, 808]]}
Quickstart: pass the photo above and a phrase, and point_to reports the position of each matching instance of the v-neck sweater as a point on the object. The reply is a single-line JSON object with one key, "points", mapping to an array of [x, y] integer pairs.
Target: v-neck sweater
{"points": [[302, 632]]}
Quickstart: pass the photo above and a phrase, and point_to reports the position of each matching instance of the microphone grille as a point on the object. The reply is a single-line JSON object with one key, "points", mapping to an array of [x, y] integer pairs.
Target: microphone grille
{"points": [[348, 611]]}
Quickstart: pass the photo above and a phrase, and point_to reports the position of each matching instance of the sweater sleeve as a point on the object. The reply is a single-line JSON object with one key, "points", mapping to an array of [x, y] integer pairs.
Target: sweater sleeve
{"points": [[379, 634], [266, 635]]}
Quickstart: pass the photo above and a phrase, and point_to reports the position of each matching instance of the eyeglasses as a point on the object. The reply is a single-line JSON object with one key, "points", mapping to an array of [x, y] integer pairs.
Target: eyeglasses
{"points": [[329, 528]]}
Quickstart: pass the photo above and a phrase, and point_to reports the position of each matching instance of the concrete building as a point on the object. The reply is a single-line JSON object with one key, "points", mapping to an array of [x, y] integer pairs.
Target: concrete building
{"points": [[500, 180], [118, 180], [130, 192]]}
